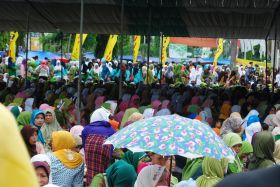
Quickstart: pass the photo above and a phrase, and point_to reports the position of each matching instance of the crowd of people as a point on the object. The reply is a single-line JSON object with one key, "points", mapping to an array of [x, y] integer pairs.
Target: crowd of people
{"points": [[251, 76], [65, 153]]}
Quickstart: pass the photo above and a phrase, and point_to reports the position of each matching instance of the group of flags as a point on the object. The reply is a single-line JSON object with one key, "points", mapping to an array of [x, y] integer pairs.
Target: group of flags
{"points": [[108, 51]]}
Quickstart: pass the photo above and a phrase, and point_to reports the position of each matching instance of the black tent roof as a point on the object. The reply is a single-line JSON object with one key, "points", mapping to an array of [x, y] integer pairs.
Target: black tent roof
{"points": [[192, 18]]}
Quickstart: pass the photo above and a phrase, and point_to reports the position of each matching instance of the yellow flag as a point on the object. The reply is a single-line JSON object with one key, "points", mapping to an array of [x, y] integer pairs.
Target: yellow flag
{"points": [[165, 43], [76, 48], [137, 41], [110, 46], [219, 51], [12, 49]]}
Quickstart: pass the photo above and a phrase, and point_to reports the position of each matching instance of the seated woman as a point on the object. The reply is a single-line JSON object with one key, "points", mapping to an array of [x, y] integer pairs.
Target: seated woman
{"points": [[123, 172], [33, 146], [51, 125], [66, 165], [245, 151], [234, 141], [151, 176], [37, 120], [213, 172], [263, 148], [42, 170]]}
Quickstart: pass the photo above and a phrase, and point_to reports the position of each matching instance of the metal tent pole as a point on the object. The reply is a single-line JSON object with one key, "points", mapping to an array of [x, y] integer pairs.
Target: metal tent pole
{"points": [[26, 49], [160, 56], [61, 38], [80, 63], [149, 44], [274, 58], [121, 59], [266, 53]]}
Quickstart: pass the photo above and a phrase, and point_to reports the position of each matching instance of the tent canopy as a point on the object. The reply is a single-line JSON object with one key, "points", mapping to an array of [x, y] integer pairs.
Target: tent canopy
{"points": [[191, 18]]}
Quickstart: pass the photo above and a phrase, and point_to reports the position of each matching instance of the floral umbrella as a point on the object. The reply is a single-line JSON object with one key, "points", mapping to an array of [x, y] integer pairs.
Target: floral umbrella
{"points": [[171, 135]]}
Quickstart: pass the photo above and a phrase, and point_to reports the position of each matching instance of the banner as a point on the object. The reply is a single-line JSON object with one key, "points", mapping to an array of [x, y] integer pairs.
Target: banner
{"points": [[12, 47], [165, 44], [76, 48], [110, 46], [219, 51], [137, 41]]}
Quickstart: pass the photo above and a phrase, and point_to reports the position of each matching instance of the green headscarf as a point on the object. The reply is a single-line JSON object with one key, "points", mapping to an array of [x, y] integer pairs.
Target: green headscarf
{"points": [[15, 111], [213, 172], [191, 167], [8, 99], [126, 115], [232, 139], [246, 148], [18, 101], [123, 172], [133, 158], [263, 148], [24, 119]]}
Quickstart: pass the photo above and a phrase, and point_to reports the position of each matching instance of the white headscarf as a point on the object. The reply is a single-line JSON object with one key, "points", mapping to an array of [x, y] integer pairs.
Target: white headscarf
{"points": [[251, 130], [43, 158], [77, 130], [100, 114], [148, 113], [28, 104], [58, 66], [251, 113], [149, 176]]}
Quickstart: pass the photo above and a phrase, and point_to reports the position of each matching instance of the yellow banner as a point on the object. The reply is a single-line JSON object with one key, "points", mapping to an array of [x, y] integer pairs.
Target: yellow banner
{"points": [[137, 41], [219, 51], [76, 48], [244, 62], [110, 46], [165, 43], [12, 48]]}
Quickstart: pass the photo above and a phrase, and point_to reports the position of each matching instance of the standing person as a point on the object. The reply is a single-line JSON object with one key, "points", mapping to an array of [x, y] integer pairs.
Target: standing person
{"points": [[11, 67], [51, 125], [66, 165], [29, 135], [43, 70], [263, 148]]}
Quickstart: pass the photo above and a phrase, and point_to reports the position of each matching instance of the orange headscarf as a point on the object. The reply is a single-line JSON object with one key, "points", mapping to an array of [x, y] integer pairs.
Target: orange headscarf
{"points": [[63, 142], [225, 111]]}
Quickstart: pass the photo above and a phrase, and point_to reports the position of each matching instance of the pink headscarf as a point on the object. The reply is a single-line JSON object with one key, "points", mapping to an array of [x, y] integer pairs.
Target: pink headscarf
{"points": [[45, 107], [123, 106], [134, 101], [44, 64], [156, 104], [99, 101]]}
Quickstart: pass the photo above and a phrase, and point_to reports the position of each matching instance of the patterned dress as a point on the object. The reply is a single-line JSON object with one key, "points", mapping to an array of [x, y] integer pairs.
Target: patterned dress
{"points": [[63, 176]]}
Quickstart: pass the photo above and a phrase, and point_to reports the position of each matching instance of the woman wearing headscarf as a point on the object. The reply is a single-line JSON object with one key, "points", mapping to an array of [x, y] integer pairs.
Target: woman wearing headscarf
{"points": [[192, 169], [51, 125], [29, 104], [263, 148], [23, 119], [66, 165], [253, 126], [43, 158], [42, 170], [136, 116], [251, 113], [15, 169], [225, 111], [29, 135], [151, 176], [37, 120], [276, 153], [234, 141], [245, 151], [43, 70], [232, 124], [213, 172], [15, 110], [126, 115], [123, 172]]}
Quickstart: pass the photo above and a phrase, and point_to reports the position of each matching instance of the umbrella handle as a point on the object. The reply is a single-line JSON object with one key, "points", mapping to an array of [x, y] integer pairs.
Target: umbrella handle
{"points": [[170, 171]]}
